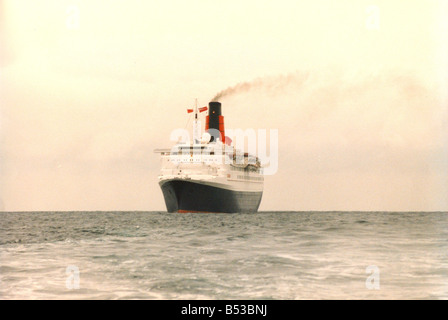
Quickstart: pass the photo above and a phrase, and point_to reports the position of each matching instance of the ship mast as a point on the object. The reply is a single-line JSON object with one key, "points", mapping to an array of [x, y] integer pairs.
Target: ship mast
{"points": [[196, 125]]}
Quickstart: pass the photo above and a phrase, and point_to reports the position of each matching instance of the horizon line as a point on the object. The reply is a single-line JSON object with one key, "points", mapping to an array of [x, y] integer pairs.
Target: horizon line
{"points": [[261, 211]]}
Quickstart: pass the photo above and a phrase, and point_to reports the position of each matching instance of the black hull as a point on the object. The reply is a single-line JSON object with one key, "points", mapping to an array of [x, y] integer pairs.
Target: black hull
{"points": [[187, 196]]}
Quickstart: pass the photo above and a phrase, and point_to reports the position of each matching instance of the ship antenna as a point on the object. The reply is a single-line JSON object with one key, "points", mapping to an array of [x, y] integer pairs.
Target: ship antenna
{"points": [[196, 110], [196, 126]]}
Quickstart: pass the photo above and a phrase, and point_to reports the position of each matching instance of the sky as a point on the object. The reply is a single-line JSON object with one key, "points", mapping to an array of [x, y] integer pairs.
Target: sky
{"points": [[357, 90]]}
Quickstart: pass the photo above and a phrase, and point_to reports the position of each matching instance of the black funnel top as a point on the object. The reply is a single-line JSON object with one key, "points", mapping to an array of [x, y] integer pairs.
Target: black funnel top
{"points": [[214, 111], [215, 108]]}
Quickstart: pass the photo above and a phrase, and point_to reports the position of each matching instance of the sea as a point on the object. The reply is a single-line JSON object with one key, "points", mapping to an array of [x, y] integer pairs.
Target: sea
{"points": [[193, 256]]}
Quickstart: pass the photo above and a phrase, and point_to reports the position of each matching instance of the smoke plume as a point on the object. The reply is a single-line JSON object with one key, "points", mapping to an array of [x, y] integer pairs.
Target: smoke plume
{"points": [[266, 84]]}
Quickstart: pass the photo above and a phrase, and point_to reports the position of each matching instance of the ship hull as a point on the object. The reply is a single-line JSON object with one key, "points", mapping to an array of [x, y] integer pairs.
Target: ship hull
{"points": [[189, 196]]}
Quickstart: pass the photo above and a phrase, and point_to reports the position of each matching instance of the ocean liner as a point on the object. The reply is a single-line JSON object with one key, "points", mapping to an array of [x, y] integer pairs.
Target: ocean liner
{"points": [[208, 174]]}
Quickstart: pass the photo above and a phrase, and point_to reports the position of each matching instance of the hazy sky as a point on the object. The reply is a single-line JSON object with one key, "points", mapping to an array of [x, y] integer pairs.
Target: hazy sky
{"points": [[357, 90]]}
